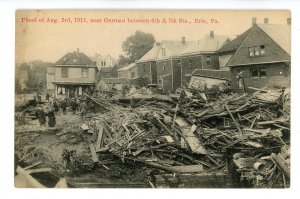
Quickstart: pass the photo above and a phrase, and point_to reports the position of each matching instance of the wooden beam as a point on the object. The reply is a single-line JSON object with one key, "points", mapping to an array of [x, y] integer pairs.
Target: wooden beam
{"points": [[93, 153], [99, 140]]}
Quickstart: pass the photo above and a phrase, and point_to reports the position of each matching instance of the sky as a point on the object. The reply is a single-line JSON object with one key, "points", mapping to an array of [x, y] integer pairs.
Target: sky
{"points": [[39, 38]]}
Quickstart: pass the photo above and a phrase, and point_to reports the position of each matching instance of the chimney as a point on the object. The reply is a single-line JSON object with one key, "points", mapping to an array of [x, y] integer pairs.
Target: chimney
{"points": [[288, 21], [211, 34], [77, 50], [183, 40], [253, 21], [266, 20]]}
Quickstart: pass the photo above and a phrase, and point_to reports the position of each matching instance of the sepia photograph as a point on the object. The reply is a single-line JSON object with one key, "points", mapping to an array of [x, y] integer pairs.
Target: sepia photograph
{"points": [[152, 98]]}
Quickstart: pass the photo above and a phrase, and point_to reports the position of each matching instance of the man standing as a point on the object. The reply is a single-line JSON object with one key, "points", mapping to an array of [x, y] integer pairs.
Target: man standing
{"points": [[51, 118], [40, 114], [83, 109], [63, 106]]}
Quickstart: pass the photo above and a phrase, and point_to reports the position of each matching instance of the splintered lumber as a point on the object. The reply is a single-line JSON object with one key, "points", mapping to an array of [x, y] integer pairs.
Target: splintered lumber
{"points": [[99, 140], [93, 153], [176, 169], [187, 168], [40, 170], [280, 162], [33, 165], [235, 122], [191, 139], [94, 100]]}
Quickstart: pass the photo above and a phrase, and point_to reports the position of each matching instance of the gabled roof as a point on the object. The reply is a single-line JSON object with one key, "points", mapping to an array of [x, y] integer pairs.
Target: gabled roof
{"points": [[173, 48], [235, 43], [206, 44], [130, 66], [75, 58], [274, 38], [151, 55]]}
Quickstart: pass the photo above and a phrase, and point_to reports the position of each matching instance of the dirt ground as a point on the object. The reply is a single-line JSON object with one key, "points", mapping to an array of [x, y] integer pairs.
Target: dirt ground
{"points": [[35, 143]]}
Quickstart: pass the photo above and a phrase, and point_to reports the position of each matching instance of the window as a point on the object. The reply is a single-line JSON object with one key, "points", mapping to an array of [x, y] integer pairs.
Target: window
{"points": [[258, 72], [163, 52], [257, 51], [64, 72], [103, 63], [164, 66], [85, 72], [208, 60], [132, 74], [262, 50]]}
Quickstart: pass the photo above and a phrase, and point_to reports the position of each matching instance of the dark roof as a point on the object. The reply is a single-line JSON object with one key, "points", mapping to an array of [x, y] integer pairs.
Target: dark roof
{"points": [[235, 43], [215, 74], [272, 37], [75, 58]]}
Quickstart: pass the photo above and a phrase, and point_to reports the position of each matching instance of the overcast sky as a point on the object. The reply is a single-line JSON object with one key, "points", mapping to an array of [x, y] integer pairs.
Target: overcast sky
{"points": [[49, 41]]}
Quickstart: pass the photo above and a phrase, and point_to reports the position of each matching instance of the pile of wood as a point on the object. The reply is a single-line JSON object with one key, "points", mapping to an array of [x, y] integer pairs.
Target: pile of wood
{"points": [[200, 136]]}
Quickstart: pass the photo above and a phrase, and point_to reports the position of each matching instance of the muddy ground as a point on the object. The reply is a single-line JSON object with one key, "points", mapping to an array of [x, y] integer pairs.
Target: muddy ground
{"points": [[35, 143]]}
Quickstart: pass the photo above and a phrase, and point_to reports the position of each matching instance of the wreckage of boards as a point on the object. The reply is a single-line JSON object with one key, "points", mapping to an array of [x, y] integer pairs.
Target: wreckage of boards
{"points": [[237, 140]]}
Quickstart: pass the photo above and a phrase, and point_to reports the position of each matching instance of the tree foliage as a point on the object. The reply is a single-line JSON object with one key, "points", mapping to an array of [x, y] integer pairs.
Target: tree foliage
{"points": [[37, 72], [137, 45]]}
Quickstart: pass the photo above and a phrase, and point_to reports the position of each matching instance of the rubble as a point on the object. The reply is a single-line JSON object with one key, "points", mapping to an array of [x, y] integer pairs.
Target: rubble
{"points": [[245, 136]]}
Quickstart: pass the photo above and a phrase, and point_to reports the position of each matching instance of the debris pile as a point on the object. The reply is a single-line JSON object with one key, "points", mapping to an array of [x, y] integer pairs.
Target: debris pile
{"points": [[242, 136], [248, 129]]}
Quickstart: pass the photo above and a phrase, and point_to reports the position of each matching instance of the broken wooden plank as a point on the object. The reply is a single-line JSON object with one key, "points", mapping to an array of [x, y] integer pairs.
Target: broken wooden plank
{"points": [[33, 165], [99, 140], [187, 168], [93, 153], [189, 136], [39, 170], [235, 122], [280, 162]]}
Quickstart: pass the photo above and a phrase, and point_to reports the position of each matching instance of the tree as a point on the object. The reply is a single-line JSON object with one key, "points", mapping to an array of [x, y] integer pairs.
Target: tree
{"points": [[123, 61], [137, 45]]}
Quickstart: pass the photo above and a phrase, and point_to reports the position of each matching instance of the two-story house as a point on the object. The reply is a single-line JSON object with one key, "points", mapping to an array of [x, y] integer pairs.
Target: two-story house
{"points": [[201, 56], [168, 64], [260, 56], [74, 74], [146, 65]]}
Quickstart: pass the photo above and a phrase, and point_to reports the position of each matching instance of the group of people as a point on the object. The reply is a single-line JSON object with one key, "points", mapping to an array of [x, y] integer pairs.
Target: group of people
{"points": [[41, 115], [53, 106]]}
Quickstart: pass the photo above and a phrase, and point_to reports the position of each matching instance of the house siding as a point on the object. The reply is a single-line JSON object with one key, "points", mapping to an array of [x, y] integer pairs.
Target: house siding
{"points": [[74, 75], [167, 84], [277, 75], [143, 70], [224, 59]]}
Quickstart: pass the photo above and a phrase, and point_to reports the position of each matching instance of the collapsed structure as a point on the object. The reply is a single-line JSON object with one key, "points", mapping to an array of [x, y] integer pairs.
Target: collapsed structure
{"points": [[235, 140]]}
